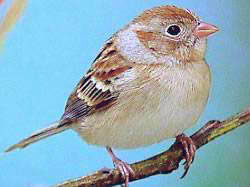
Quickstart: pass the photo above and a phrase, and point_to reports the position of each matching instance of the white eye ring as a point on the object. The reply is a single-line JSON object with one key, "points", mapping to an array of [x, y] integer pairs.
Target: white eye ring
{"points": [[173, 30]]}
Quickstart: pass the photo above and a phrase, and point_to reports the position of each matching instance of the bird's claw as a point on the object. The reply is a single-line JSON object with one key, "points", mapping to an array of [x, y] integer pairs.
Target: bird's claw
{"points": [[125, 170], [123, 167], [189, 151]]}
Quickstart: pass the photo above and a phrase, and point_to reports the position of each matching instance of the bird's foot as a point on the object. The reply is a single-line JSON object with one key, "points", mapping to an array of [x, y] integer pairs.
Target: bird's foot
{"points": [[189, 151], [123, 167]]}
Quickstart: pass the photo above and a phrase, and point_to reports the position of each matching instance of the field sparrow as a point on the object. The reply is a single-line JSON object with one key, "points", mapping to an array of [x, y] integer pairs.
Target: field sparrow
{"points": [[148, 83]]}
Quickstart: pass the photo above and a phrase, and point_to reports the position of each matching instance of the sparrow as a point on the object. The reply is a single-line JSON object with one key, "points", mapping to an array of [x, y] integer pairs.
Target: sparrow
{"points": [[149, 82]]}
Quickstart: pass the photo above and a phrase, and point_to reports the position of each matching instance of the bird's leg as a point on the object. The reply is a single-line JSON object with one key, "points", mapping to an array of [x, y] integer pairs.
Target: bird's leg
{"points": [[123, 167], [189, 151]]}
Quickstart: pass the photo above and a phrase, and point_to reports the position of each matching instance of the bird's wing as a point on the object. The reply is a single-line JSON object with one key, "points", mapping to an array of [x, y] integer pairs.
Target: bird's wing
{"points": [[95, 91]]}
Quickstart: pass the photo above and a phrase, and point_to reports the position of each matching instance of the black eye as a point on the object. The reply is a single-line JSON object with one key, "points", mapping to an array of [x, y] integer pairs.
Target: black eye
{"points": [[174, 30]]}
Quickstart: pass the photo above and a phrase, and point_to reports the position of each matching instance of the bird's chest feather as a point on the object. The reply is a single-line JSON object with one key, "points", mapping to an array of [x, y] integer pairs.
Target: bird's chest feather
{"points": [[151, 107]]}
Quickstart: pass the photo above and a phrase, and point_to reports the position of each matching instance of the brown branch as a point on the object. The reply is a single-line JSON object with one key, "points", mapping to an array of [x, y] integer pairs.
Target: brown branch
{"points": [[165, 162]]}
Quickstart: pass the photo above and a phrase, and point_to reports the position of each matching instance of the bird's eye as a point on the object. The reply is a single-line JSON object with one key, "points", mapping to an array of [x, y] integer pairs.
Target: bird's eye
{"points": [[173, 30]]}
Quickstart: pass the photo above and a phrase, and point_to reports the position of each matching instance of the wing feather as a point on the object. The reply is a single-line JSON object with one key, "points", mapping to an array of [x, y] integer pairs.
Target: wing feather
{"points": [[95, 91]]}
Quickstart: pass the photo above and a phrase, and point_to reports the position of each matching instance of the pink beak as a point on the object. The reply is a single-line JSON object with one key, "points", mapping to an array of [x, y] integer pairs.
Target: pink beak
{"points": [[204, 30]]}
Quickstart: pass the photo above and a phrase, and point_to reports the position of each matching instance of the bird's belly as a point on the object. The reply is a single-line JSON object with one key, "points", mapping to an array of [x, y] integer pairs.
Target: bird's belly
{"points": [[148, 119], [148, 115]]}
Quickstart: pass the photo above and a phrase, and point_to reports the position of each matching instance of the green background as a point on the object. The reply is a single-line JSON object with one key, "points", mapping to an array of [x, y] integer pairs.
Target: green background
{"points": [[51, 47]]}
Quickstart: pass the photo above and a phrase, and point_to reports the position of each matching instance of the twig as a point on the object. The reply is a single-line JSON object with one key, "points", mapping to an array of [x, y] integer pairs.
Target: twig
{"points": [[165, 162]]}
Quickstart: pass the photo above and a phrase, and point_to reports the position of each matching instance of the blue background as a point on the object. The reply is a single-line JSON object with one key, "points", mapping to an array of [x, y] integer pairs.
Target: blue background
{"points": [[53, 44]]}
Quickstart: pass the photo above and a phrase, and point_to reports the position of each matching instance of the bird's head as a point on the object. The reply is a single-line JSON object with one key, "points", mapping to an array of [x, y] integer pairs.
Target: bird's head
{"points": [[166, 34]]}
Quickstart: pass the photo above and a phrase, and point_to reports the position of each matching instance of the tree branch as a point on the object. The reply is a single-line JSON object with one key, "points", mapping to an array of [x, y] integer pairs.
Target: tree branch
{"points": [[165, 162]]}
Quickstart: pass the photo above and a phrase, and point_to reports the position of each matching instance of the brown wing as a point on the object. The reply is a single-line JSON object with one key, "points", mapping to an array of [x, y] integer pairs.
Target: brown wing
{"points": [[95, 91]]}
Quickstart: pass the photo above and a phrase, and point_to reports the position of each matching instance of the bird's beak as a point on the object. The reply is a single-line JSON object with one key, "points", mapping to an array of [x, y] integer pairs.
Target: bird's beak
{"points": [[204, 29]]}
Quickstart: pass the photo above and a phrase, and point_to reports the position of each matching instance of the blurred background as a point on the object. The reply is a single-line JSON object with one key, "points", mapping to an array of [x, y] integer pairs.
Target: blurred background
{"points": [[52, 45]]}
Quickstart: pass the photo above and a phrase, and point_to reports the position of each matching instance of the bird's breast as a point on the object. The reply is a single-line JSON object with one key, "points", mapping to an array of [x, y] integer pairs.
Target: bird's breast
{"points": [[154, 106]]}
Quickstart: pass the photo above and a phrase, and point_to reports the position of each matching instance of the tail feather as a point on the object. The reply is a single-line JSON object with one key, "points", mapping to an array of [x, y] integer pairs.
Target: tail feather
{"points": [[54, 128]]}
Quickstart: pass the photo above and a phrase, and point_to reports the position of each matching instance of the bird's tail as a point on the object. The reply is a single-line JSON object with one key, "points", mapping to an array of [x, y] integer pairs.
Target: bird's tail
{"points": [[54, 128]]}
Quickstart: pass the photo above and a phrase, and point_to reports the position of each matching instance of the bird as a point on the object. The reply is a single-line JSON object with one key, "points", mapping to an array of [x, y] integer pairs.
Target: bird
{"points": [[149, 82]]}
